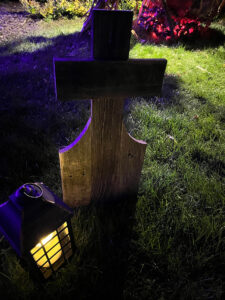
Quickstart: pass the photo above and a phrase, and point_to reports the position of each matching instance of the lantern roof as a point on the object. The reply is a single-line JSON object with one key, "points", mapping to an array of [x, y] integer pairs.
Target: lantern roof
{"points": [[32, 212]]}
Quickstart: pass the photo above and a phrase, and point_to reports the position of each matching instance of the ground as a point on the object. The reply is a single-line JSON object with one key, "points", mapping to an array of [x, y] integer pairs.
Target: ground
{"points": [[15, 23]]}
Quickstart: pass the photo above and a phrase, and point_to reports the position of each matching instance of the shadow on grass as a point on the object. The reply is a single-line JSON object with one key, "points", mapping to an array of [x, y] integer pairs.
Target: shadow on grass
{"points": [[210, 39], [33, 125], [110, 247]]}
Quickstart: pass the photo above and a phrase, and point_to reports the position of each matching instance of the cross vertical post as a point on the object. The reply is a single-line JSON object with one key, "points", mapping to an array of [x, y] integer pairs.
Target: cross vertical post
{"points": [[104, 163]]}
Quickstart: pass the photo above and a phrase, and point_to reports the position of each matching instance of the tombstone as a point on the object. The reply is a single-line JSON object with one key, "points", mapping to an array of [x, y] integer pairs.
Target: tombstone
{"points": [[104, 163]]}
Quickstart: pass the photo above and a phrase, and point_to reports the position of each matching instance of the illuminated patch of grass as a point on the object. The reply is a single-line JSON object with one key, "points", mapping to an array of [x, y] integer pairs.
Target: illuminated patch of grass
{"points": [[29, 47], [193, 68], [43, 35], [52, 29]]}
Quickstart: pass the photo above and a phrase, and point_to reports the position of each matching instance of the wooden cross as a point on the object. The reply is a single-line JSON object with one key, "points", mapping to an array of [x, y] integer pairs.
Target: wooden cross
{"points": [[104, 163]]}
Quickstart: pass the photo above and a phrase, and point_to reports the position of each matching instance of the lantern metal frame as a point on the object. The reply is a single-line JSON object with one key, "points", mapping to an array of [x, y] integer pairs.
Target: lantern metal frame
{"points": [[32, 213]]}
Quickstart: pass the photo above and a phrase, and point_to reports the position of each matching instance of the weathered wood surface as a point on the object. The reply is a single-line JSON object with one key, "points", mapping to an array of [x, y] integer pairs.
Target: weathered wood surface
{"points": [[111, 34], [105, 164], [88, 79]]}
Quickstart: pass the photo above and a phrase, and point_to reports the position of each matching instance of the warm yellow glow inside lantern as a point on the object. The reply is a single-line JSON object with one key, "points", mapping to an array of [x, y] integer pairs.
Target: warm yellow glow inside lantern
{"points": [[49, 249]]}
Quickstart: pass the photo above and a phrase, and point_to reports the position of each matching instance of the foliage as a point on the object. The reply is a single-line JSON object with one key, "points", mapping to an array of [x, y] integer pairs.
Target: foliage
{"points": [[204, 9], [175, 20], [154, 22], [130, 4], [55, 9]]}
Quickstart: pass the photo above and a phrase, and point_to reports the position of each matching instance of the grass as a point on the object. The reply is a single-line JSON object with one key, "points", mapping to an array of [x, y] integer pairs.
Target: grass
{"points": [[180, 209], [47, 30], [171, 244]]}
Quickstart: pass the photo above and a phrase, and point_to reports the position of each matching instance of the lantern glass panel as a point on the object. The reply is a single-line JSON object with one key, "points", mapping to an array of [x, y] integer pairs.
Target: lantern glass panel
{"points": [[51, 252]]}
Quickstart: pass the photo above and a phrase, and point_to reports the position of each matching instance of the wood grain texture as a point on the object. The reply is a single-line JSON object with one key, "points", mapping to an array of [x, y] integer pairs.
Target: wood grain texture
{"points": [[88, 79], [105, 164], [75, 167]]}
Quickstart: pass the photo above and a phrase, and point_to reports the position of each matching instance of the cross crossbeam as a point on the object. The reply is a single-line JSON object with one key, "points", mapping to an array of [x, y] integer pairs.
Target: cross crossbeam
{"points": [[85, 79]]}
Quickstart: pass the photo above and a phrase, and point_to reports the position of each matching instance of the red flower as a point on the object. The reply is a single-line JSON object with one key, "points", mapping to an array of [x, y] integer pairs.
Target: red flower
{"points": [[159, 28], [154, 36]]}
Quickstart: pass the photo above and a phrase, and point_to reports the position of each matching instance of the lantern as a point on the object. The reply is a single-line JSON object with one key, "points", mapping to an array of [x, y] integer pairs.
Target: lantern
{"points": [[37, 225]]}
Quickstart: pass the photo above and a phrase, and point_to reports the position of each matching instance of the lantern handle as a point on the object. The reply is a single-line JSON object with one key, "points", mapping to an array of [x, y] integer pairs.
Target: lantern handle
{"points": [[32, 184]]}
